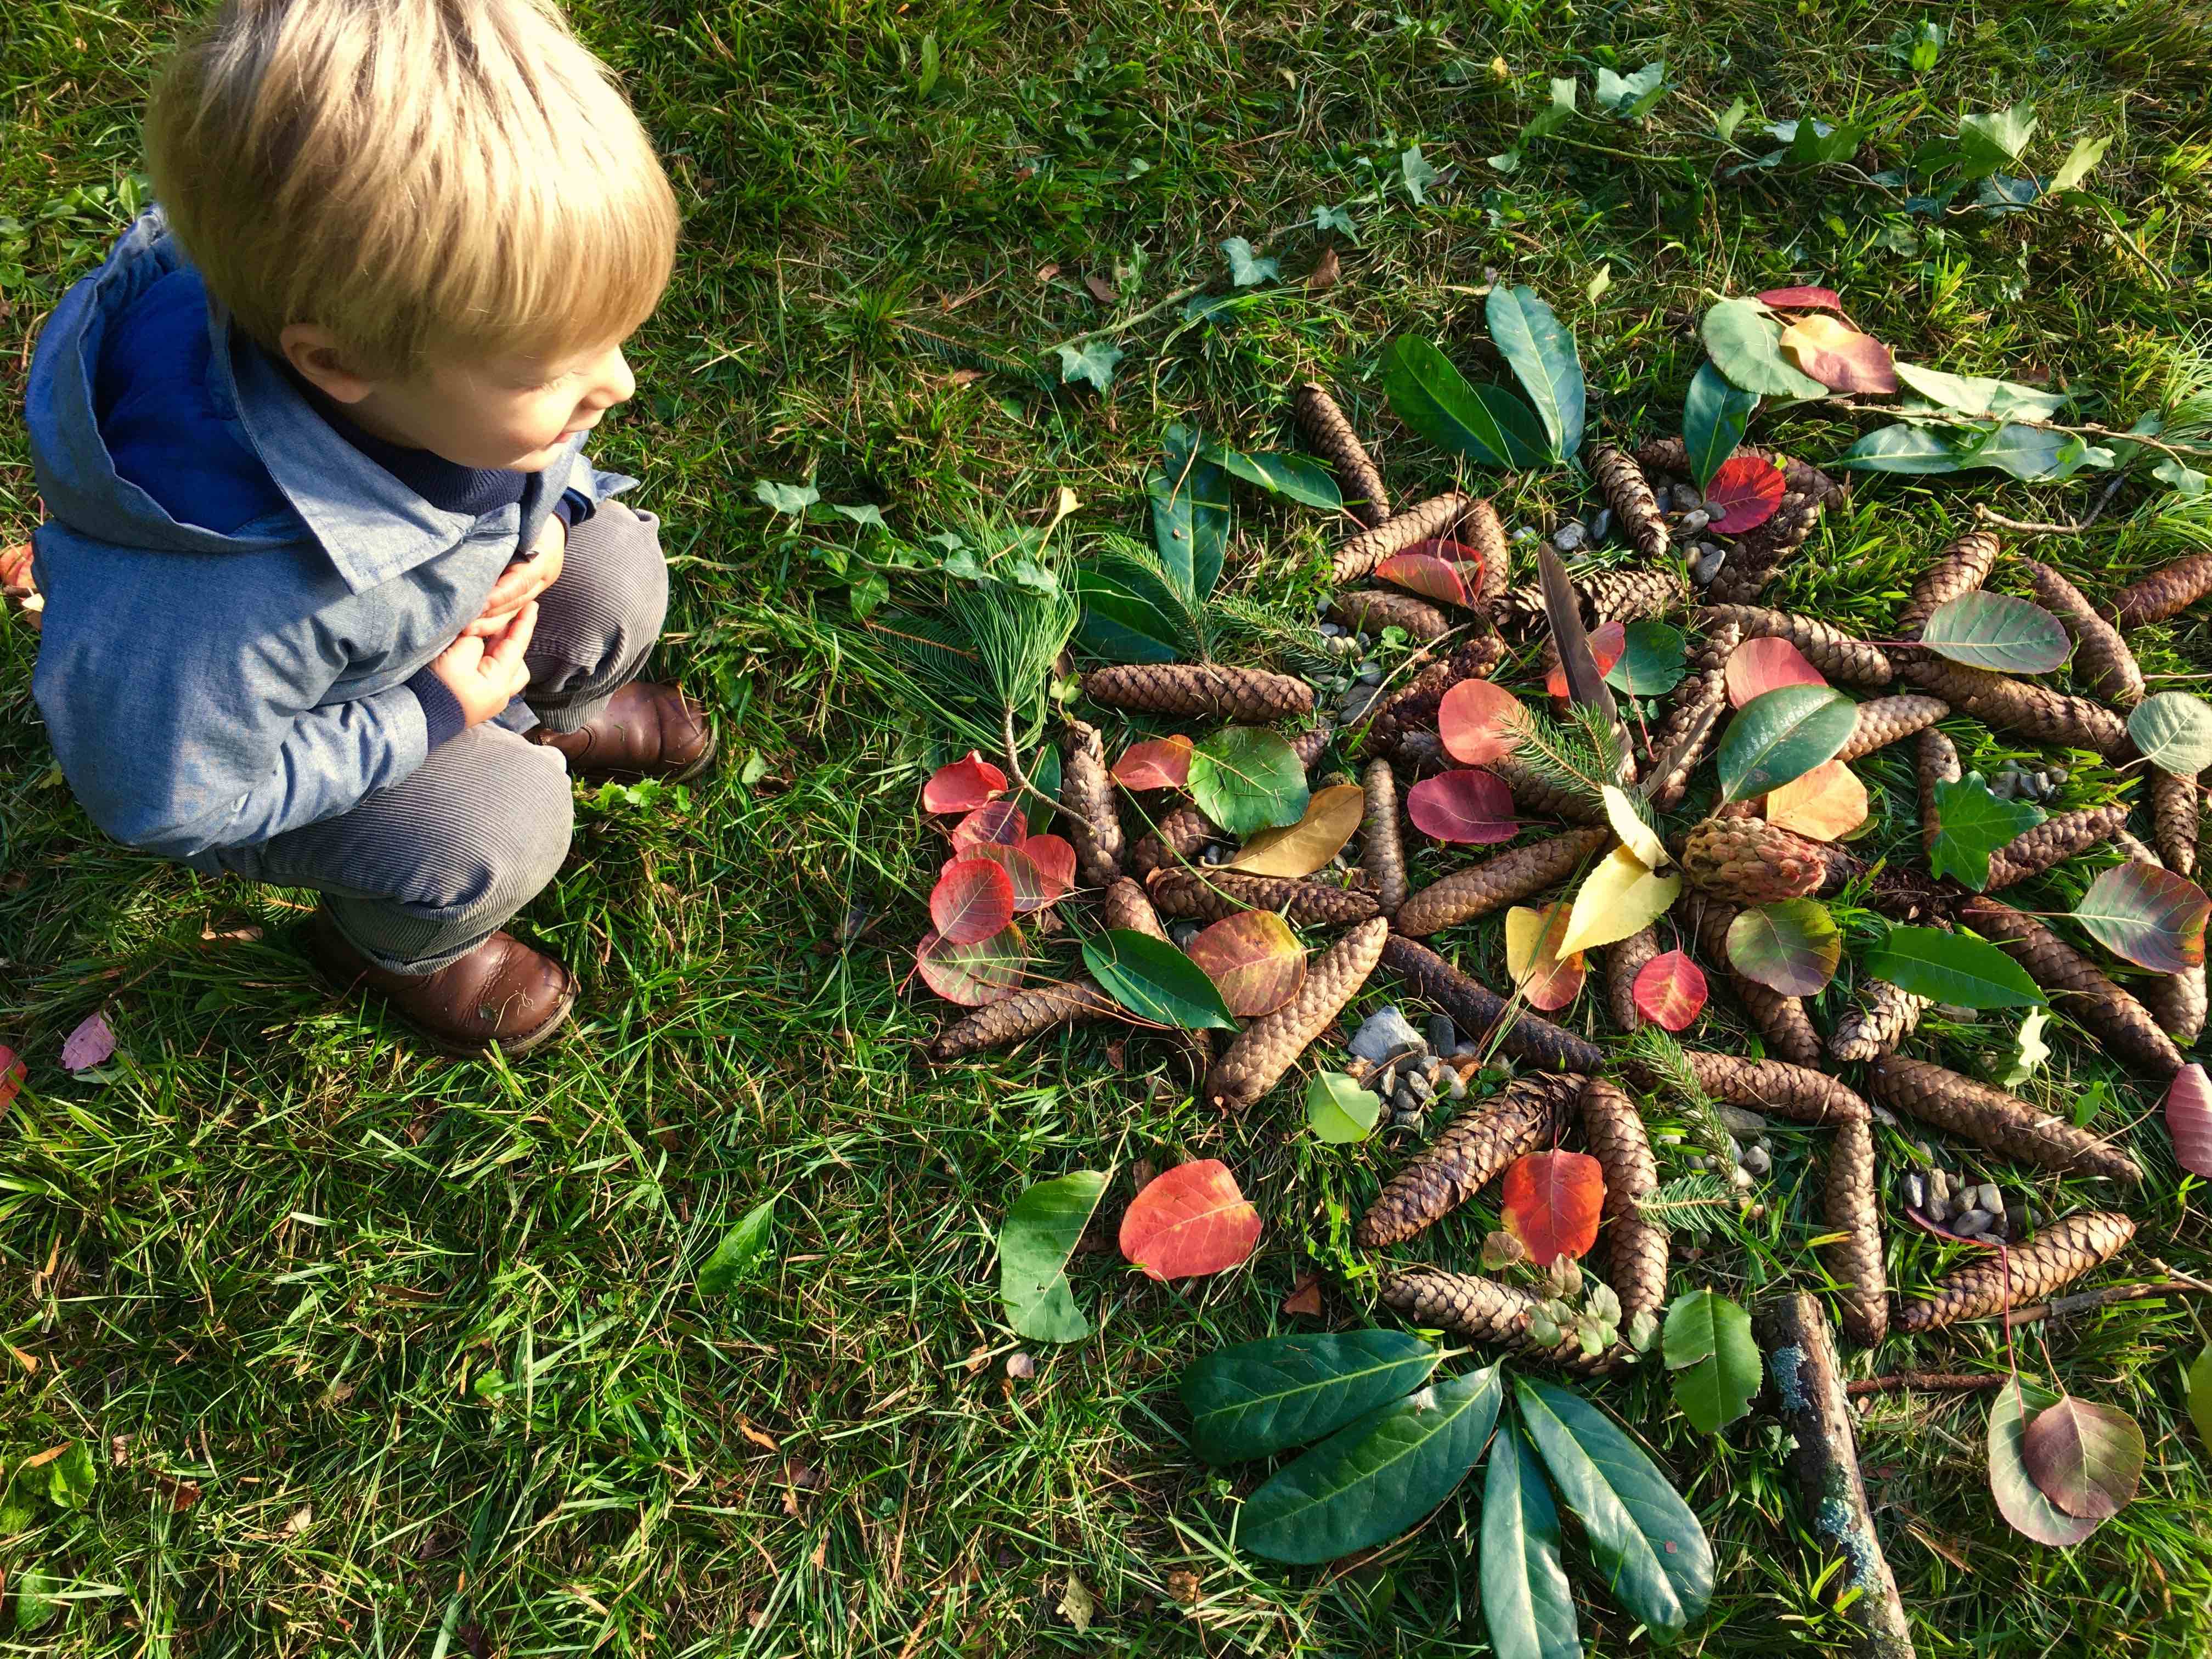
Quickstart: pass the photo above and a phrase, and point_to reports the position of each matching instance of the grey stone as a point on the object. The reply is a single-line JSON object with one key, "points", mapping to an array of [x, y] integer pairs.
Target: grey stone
{"points": [[1758, 1160], [1939, 1187], [1183, 933], [1437, 1027], [1215, 853], [1384, 1033], [1355, 704], [1403, 1099], [1883, 1115], [1739, 1177], [1601, 525], [1972, 1224], [1387, 1084], [1987, 1197], [1330, 630], [1371, 673], [1414, 1083], [1526, 532], [1413, 1120], [1927, 1153], [1708, 565], [1688, 499], [1468, 1051], [1916, 1192], [2059, 775], [1745, 1126], [1568, 537], [1695, 520]]}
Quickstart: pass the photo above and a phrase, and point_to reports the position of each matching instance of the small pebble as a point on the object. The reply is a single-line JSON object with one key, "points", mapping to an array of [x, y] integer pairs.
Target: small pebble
{"points": [[1734, 1150], [1972, 1224], [1183, 933], [1413, 1120], [1694, 522], [2059, 775], [1916, 1192], [1386, 1085], [1403, 1099], [1987, 1197], [1526, 532], [1707, 566], [1567, 538], [1663, 496], [1364, 639], [1370, 673], [1385, 1034], [1744, 1125], [1356, 703], [1939, 1187], [1415, 1085], [1927, 1153], [1601, 525], [1468, 1051], [1669, 1138], [1442, 1040], [1215, 853], [1883, 1115], [1758, 1160], [1330, 630], [1935, 1209], [1688, 499], [1739, 1177]]}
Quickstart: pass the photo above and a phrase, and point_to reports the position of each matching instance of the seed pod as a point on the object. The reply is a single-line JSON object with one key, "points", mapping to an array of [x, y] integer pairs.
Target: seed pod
{"points": [[1529, 1115], [1476, 1008], [2102, 661], [1481, 530], [1183, 889], [1532, 791], [1206, 689], [1780, 1020], [1802, 477], [2165, 592], [2060, 1254], [1424, 521], [2175, 808], [1498, 880], [1480, 1310], [1990, 1118], [1884, 1017], [1023, 1015], [1747, 860], [1413, 707], [1381, 854], [1692, 722], [1961, 568], [2051, 842], [1777, 1088], [1086, 792], [1329, 435], [1884, 720], [1175, 839], [1936, 759], [1850, 1207], [1623, 963], [1764, 549], [1631, 499], [1268, 1046], [1371, 609], [1124, 906], [1834, 652], [2008, 705], [2093, 1000]]}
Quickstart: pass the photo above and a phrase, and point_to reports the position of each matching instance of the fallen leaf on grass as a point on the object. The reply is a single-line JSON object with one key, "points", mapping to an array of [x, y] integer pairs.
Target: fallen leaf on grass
{"points": [[1801, 299], [87, 1046], [12, 1073], [974, 898], [1304, 1298], [1792, 946], [1825, 803], [1670, 990], [2148, 916], [1746, 490], [1331, 819], [971, 975], [969, 782], [1191, 1221], [1463, 806], [1001, 821], [1550, 1202], [1548, 981], [1480, 721], [1253, 959], [1327, 272], [2087, 1459], [1041, 870], [1839, 357]]}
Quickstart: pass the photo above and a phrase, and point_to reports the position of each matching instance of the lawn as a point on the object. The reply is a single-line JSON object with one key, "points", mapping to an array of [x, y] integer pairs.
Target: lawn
{"points": [[378, 1353]]}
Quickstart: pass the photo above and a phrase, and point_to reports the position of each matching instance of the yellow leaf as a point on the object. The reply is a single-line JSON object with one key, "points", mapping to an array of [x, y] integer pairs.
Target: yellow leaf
{"points": [[1619, 897], [1825, 803], [1301, 849], [1549, 980], [1640, 837]]}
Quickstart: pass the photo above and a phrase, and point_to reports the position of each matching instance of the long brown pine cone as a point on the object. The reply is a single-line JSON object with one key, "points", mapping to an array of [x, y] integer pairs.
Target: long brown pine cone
{"points": [[1025, 1014], [1633, 506], [2175, 808], [1781, 1020], [1885, 721], [1124, 906], [2167, 592], [2059, 1254], [2005, 704], [1623, 963], [1270, 1046], [1851, 1205], [1883, 1015], [1382, 850], [1834, 652], [1961, 567], [1412, 708], [1327, 431], [1423, 521], [2102, 662], [2093, 1000], [1764, 549], [1692, 722], [1673, 455], [1476, 1009], [1481, 530], [1480, 1310], [1311, 745], [1634, 1250], [1992, 1119], [1202, 689], [1371, 609], [1176, 839], [1532, 791], [1183, 889], [2051, 842], [1747, 860], [1087, 793], [1777, 1088], [1498, 880], [1526, 1116], [1935, 759]]}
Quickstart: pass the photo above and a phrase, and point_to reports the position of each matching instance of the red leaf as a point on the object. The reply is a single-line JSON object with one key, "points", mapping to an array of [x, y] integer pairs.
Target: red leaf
{"points": [[1839, 357], [2087, 1459], [973, 899], [1253, 959], [1462, 807], [2188, 1118], [1670, 990], [1444, 571], [1551, 1204], [1480, 721], [1304, 1298], [971, 975], [1747, 491], [1055, 861], [1035, 885], [963, 786], [1191, 1221], [1607, 644], [1155, 763], [1803, 299], [1001, 821], [11, 1075], [88, 1045], [1760, 665]]}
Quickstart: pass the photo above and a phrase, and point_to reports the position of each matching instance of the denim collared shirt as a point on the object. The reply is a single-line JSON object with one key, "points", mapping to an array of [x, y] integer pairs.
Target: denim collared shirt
{"points": [[208, 689]]}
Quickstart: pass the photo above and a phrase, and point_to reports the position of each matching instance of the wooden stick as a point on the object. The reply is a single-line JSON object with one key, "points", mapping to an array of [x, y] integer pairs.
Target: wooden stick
{"points": [[1924, 1382], [1806, 1389], [2081, 1301]]}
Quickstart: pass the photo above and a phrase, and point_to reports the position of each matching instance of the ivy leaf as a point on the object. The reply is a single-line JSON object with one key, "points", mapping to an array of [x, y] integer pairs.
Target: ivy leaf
{"points": [[1632, 95], [1247, 271], [1708, 1347], [790, 500], [1953, 968], [1155, 982], [1093, 361], [1715, 415], [1413, 167], [1338, 219], [1994, 140], [1041, 1230], [2085, 154], [1970, 823]]}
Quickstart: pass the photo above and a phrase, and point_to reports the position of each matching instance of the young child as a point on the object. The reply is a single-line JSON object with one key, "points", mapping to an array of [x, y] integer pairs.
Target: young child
{"points": [[333, 598]]}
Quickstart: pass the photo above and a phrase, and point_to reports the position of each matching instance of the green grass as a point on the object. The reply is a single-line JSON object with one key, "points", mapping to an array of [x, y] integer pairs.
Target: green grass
{"points": [[421, 1340]]}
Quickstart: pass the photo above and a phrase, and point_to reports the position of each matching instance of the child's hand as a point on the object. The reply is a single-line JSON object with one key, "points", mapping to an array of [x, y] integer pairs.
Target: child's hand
{"points": [[484, 677], [522, 582]]}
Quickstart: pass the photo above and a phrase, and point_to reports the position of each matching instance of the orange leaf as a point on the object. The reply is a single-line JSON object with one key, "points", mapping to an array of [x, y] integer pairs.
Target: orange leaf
{"points": [[1839, 357], [1191, 1221], [1532, 956], [1670, 990], [1305, 1298], [1551, 1202], [1444, 571], [967, 784], [1155, 763], [1825, 803], [973, 899], [1480, 721], [11, 1075], [1253, 959], [1746, 490], [1758, 666], [1607, 644]]}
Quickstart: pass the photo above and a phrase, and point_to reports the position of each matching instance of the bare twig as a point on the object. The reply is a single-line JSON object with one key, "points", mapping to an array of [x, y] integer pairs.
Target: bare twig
{"points": [[2063, 1307], [1925, 1382], [1014, 766], [2031, 528]]}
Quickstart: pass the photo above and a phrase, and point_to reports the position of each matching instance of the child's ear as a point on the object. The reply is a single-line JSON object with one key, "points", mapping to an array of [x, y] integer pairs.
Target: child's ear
{"points": [[318, 358]]}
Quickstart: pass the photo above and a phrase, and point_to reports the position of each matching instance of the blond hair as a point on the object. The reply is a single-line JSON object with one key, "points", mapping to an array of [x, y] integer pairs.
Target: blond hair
{"points": [[420, 177]]}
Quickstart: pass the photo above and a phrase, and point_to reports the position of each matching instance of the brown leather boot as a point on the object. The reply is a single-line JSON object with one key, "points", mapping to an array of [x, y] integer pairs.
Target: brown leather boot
{"points": [[502, 992], [646, 731]]}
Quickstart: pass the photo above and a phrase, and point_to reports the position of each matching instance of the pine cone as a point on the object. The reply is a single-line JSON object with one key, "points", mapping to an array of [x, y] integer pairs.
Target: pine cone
{"points": [[2052, 842], [1634, 508], [1382, 853], [1780, 1020], [1480, 1310], [1601, 597], [1527, 1116], [1635, 1255], [2008, 705], [1834, 652], [1371, 609], [2165, 592], [1936, 759], [1124, 906], [2060, 1254], [1413, 707], [1270, 1046], [1176, 840], [1323, 424], [1990, 1118], [1764, 549], [1614, 1131], [2102, 662], [1421, 753], [1481, 530], [2093, 1000], [1850, 1208], [1884, 1017], [1961, 568], [1777, 1088], [1534, 792], [1673, 455], [1311, 745], [1183, 890], [1023, 1015], [1884, 720], [1201, 689], [1693, 718], [2174, 809], [1498, 880], [1749, 862], [1086, 795], [1476, 1008], [2176, 1002], [1424, 521], [1623, 963]]}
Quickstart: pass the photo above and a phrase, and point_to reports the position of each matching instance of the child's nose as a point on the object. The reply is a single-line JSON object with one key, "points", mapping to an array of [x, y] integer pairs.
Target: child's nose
{"points": [[615, 384]]}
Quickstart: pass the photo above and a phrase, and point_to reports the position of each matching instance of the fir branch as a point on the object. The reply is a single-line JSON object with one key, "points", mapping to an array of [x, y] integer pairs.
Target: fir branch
{"points": [[1698, 1208], [1661, 1055], [1563, 756]]}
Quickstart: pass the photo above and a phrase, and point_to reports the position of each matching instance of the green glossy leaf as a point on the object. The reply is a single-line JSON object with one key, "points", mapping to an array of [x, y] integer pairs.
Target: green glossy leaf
{"points": [[1653, 660], [1971, 822], [1155, 982], [1041, 1230], [1339, 1111], [1297, 478], [2174, 731], [2031, 454], [1433, 397], [741, 1248], [1044, 773], [2025, 1508], [1247, 778], [1817, 143], [1653, 1555], [2199, 1383], [1968, 394], [1746, 344], [1708, 1348], [1782, 734], [1541, 352], [2151, 917], [1903, 448], [1129, 615], [1995, 630], [1259, 1398], [1190, 514], [1792, 946], [1714, 416], [1527, 1605], [1953, 968], [1375, 1478]]}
